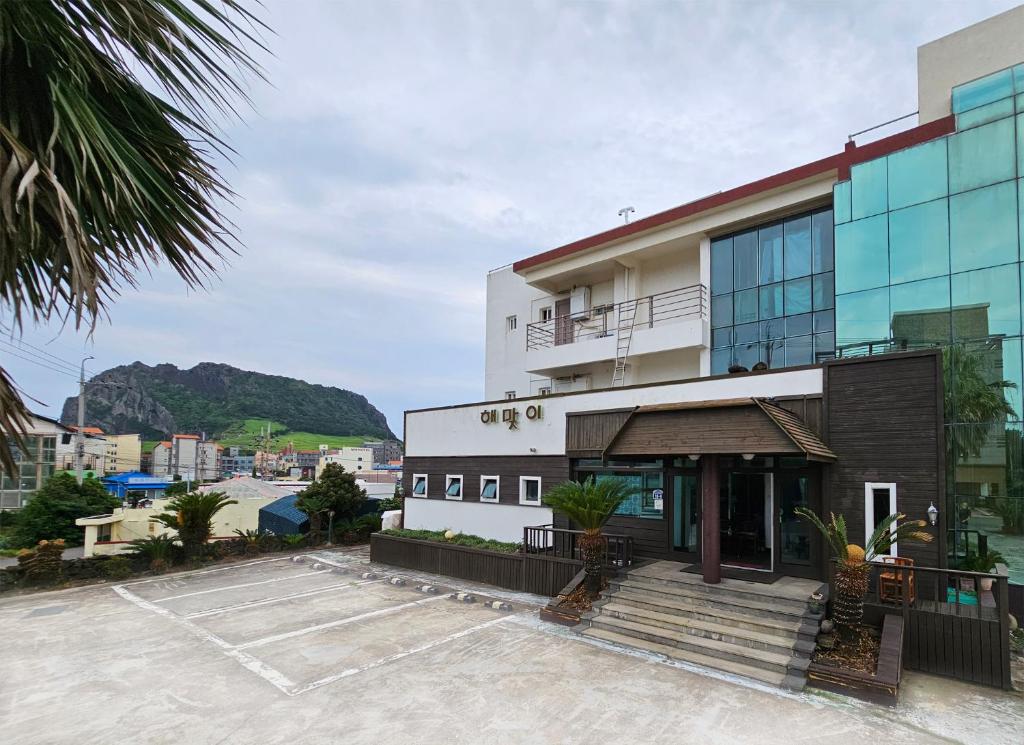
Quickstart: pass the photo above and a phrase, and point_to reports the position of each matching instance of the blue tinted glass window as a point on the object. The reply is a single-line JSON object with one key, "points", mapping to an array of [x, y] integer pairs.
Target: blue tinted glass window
{"points": [[919, 241], [745, 306], [745, 260], [983, 227], [745, 334], [870, 188], [747, 355], [824, 291], [1020, 141], [985, 114], [1020, 108], [862, 317], [824, 346], [799, 350], [775, 353], [771, 254], [720, 361], [771, 300], [721, 338], [1018, 79], [721, 266], [920, 312], [986, 302], [841, 202], [1012, 371], [982, 91], [721, 311], [773, 329], [918, 174], [798, 247], [824, 320], [981, 156], [821, 241], [862, 254], [799, 325], [798, 296]]}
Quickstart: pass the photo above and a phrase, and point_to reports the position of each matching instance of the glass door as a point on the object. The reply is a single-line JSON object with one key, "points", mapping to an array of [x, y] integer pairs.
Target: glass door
{"points": [[746, 520], [686, 513]]}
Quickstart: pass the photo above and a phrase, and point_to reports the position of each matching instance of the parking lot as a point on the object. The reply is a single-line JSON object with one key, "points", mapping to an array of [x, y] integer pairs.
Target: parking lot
{"points": [[330, 648]]}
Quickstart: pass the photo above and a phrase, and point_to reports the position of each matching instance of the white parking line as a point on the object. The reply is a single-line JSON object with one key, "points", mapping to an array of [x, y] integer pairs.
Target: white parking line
{"points": [[341, 622], [274, 677], [196, 573], [392, 658], [279, 599], [235, 587]]}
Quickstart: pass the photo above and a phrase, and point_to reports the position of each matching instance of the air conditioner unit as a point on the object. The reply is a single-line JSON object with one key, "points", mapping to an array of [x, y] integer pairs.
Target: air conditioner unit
{"points": [[579, 302]]}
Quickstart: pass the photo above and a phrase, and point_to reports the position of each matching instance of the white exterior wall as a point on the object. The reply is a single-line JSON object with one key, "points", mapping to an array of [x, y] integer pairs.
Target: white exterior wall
{"points": [[500, 522], [459, 430], [353, 460], [505, 352], [965, 55]]}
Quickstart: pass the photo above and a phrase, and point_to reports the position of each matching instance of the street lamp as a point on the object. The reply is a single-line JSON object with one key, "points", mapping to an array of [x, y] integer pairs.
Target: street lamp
{"points": [[330, 527]]}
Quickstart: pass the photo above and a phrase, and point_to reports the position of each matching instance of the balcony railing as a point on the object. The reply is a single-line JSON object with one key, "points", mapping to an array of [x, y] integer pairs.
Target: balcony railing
{"points": [[563, 544], [603, 320]]}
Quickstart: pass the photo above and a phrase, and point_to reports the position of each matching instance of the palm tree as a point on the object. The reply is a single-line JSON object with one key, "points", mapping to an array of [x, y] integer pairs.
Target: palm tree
{"points": [[853, 563], [589, 504], [108, 143], [157, 549], [192, 515]]}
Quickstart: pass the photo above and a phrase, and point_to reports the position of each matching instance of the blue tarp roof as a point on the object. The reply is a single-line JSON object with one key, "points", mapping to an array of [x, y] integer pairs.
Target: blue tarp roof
{"points": [[281, 517]]}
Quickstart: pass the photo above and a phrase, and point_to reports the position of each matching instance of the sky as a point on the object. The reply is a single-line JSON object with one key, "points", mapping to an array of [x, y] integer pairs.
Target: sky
{"points": [[399, 151]]}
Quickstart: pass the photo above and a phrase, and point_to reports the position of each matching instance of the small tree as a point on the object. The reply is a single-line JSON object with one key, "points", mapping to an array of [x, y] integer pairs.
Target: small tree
{"points": [[853, 562], [192, 516], [335, 490], [51, 512], [590, 504]]}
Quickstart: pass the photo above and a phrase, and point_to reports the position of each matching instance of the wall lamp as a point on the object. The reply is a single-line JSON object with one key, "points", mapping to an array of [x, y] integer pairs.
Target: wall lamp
{"points": [[748, 456], [933, 513], [694, 457]]}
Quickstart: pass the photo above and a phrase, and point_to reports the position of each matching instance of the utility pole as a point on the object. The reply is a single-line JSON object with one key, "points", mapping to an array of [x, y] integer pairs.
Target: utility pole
{"points": [[79, 434]]}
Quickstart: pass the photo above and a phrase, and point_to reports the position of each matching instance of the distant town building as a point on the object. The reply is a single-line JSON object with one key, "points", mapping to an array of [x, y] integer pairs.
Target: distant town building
{"points": [[36, 462], [135, 486], [384, 450], [234, 463], [124, 453], [187, 457], [94, 451], [353, 460]]}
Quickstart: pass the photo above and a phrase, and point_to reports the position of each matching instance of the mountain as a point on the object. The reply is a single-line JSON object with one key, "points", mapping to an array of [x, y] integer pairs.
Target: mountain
{"points": [[210, 397]]}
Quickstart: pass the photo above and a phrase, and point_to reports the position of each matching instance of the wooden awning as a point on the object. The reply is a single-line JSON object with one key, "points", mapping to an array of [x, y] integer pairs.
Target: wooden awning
{"points": [[733, 426]]}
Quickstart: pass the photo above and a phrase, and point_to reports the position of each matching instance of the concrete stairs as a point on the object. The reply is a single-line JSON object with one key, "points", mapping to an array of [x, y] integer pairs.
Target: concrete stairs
{"points": [[759, 631]]}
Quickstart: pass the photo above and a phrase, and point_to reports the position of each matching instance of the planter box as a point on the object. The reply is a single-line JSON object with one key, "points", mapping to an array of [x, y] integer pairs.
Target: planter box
{"points": [[880, 688], [535, 574]]}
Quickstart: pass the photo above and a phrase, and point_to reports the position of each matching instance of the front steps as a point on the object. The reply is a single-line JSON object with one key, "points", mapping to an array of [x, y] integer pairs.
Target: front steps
{"points": [[758, 631]]}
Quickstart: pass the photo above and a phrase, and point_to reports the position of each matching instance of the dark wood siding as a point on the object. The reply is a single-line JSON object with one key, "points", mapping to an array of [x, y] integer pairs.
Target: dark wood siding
{"points": [[728, 429], [587, 434], [552, 469], [884, 422]]}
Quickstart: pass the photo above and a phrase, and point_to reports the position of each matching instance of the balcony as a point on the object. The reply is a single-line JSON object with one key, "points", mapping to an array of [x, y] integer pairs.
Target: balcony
{"points": [[674, 319]]}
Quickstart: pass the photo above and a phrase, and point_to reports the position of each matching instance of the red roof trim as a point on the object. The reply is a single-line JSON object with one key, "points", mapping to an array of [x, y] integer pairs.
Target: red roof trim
{"points": [[839, 162]]}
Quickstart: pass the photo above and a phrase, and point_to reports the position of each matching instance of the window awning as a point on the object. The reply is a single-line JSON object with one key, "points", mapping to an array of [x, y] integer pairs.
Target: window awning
{"points": [[732, 426]]}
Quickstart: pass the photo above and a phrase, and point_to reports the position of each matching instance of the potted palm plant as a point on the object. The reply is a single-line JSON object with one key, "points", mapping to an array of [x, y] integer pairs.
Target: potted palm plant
{"points": [[589, 505], [853, 563]]}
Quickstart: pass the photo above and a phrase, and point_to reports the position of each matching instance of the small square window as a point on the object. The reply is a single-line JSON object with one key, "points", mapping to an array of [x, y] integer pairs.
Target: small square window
{"points": [[510, 395], [529, 490], [545, 313], [489, 488], [453, 487], [546, 391], [511, 322], [419, 485]]}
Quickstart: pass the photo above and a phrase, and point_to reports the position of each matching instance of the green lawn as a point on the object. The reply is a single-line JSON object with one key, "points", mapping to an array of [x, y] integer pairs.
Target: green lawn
{"points": [[244, 435]]}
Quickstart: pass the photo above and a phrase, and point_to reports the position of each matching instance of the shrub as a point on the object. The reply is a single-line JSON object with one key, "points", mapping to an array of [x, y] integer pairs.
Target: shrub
{"points": [[118, 567], [157, 552], [293, 540], [460, 539], [52, 511], [390, 503], [191, 515]]}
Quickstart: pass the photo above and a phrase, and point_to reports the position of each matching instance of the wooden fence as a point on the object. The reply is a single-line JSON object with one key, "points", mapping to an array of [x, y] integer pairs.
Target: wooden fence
{"points": [[536, 574], [953, 625]]}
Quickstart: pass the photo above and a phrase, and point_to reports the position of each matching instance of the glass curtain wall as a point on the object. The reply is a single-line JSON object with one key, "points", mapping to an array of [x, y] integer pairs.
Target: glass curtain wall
{"points": [[928, 253], [772, 294], [35, 466]]}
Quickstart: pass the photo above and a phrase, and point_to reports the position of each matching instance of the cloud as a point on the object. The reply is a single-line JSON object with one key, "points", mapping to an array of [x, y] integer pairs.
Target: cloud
{"points": [[403, 149]]}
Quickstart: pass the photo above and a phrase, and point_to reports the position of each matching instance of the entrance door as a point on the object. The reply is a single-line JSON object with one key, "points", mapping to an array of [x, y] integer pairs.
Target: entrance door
{"points": [[686, 513], [563, 322], [746, 520]]}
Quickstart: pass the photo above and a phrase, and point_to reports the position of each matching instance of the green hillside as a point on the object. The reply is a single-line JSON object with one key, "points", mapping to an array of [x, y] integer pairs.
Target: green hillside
{"points": [[245, 435]]}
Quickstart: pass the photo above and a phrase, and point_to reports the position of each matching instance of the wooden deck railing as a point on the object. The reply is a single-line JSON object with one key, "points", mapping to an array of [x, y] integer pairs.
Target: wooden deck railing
{"points": [[952, 626], [563, 544]]}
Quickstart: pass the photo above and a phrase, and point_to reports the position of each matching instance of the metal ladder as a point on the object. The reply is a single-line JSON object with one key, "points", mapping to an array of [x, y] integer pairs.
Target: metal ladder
{"points": [[627, 319]]}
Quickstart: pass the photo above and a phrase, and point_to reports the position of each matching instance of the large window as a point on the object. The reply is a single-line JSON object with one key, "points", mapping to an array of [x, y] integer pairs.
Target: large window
{"points": [[646, 479], [773, 294]]}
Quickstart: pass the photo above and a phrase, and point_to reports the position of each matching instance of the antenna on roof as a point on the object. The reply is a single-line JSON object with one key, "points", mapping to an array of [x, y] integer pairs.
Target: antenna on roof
{"points": [[624, 213]]}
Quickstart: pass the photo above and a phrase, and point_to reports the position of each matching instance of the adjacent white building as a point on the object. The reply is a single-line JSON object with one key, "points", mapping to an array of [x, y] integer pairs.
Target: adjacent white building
{"points": [[187, 457], [353, 460]]}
